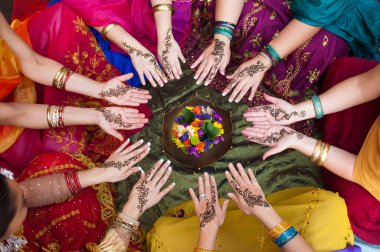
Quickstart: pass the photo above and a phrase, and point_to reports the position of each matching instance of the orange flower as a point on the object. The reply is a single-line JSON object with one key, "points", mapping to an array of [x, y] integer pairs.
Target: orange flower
{"points": [[186, 142], [175, 133], [197, 110], [200, 146], [196, 122]]}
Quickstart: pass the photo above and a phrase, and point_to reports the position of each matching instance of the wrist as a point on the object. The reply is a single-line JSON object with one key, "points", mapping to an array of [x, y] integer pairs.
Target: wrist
{"points": [[306, 106], [269, 217], [267, 63], [223, 38], [207, 237], [130, 209]]}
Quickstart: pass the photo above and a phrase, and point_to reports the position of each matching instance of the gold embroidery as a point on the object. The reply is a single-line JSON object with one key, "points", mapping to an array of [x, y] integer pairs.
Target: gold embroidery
{"points": [[55, 222], [325, 40], [89, 225], [306, 56], [313, 75], [105, 198], [273, 15], [288, 3], [256, 40], [66, 138], [54, 247], [53, 169]]}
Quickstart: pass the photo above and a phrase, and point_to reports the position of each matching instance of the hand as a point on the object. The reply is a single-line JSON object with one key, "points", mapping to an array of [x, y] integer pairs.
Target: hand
{"points": [[279, 113], [120, 164], [147, 191], [215, 57], [248, 194], [169, 53], [279, 138], [145, 64], [207, 207], [247, 77], [117, 92], [111, 119]]}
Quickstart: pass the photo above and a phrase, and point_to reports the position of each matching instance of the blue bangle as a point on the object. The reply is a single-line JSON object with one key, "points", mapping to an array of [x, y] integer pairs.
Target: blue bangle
{"points": [[273, 53], [286, 236], [224, 31], [225, 24], [317, 107]]}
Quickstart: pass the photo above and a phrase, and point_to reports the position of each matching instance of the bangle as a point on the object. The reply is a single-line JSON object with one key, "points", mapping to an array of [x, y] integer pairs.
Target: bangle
{"points": [[106, 29], [225, 24], [48, 118], [130, 230], [322, 157], [275, 232], [203, 250], [224, 31], [286, 236], [55, 116], [317, 106], [61, 78], [73, 183], [60, 117], [128, 219], [265, 55], [163, 7], [317, 151], [273, 54]]}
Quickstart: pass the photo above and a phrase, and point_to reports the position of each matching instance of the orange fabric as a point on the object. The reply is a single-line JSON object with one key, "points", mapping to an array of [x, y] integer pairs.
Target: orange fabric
{"points": [[13, 86], [367, 164]]}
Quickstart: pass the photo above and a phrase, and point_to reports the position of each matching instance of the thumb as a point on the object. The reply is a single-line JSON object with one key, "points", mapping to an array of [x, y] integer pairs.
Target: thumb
{"points": [[234, 74], [233, 197], [125, 77], [114, 133], [223, 67], [274, 150], [272, 99], [224, 207]]}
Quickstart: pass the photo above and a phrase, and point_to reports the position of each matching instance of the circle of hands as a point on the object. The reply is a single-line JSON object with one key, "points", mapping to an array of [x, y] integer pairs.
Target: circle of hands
{"points": [[268, 125], [247, 194]]}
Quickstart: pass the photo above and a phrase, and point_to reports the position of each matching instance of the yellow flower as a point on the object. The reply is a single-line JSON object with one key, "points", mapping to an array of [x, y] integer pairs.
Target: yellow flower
{"points": [[217, 125], [178, 143], [189, 108]]}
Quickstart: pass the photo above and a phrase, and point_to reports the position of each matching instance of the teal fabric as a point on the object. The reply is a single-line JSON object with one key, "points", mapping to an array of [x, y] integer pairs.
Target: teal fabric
{"points": [[356, 21]]}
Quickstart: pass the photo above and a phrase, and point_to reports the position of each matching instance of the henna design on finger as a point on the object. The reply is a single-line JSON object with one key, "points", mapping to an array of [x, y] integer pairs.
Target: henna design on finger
{"points": [[143, 195], [275, 137], [218, 54], [248, 71], [115, 118], [250, 198], [278, 114], [148, 56], [165, 53], [210, 213], [119, 164], [120, 90]]}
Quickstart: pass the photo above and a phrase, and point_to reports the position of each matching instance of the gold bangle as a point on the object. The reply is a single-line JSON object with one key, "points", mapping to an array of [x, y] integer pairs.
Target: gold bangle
{"points": [[316, 151], [56, 77], [48, 118], [61, 78], [275, 232], [106, 29], [163, 7], [323, 156], [203, 250]]}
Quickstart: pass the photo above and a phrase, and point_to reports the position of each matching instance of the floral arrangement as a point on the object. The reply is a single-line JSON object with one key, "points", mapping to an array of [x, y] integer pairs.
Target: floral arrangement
{"points": [[197, 129]]}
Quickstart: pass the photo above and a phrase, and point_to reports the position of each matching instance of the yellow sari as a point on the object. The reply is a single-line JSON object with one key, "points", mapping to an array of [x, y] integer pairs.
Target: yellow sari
{"points": [[319, 216]]}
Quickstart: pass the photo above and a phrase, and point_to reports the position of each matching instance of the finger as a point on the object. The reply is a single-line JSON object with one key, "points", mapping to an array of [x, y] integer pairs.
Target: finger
{"points": [[205, 72], [234, 198], [235, 175], [230, 86], [194, 199], [243, 174], [199, 60], [121, 147], [135, 154], [234, 75], [272, 99], [178, 67], [125, 77], [242, 93], [134, 101], [201, 189], [256, 119], [141, 179], [258, 113], [132, 147], [272, 151], [139, 91], [253, 92], [232, 182], [160, 173], [155, 168], [214, 189], [237, 89], [143, 94], [164, 178], [131, 171], [254, 130], [182, 57], [252, 177], [134, 160], [148, 75], [200, 69], [114, 133], [156, 75], [166, 191], [207, 186], [173, 66], [211, 76], [224, 207], [141, 76]]}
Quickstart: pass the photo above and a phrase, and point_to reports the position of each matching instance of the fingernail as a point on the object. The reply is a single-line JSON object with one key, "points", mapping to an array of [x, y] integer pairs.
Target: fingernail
{"points": [[170, 168], [226, 172], [139, 168], [168, 162], [198, 82], [206, 173], [149, 149], [161, 160], [173, 183], [149, 144], [195, 77], [223, 94], [141, 141], [229, 195], [229, 100]]}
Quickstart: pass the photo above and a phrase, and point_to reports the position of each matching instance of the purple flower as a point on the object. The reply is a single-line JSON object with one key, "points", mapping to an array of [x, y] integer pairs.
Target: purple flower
{"points": [[184, 137], [217, 140], [217, 117], [179, 119], [200, 133]]}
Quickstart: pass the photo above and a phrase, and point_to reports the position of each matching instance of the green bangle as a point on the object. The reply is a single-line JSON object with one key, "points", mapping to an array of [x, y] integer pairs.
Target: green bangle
{"points": [[317, 107], [273, 53], [224, 31]]}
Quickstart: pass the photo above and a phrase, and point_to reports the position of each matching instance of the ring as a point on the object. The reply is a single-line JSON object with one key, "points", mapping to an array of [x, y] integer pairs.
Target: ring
{"points": [[202, 196]]}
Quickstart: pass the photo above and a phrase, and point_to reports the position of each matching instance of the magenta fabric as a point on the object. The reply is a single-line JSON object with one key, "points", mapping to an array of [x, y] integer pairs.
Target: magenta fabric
{"points": [[348, 130], [136, 17]]}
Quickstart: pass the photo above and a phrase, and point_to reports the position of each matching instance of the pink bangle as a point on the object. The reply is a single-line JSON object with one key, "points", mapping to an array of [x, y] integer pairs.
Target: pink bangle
{"points": [[73, 183]]}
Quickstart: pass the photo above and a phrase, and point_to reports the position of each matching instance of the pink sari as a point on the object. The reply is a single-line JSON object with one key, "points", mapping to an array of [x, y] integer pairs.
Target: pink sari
{"points": [[136, 17]]}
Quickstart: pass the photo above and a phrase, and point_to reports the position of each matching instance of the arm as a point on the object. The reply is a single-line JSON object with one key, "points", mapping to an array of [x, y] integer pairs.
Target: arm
{"points": [[252, 202], [43, 70], [58, 187]]}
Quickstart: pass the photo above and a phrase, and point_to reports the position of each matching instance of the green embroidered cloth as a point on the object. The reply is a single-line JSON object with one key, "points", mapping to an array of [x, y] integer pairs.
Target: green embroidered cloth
{"points": [[285, 170]]}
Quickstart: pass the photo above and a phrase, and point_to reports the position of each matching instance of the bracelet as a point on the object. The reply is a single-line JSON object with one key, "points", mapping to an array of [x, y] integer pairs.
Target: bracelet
{"points": [[224, 31], [55, 116], [273, 54], [130, 230], [265, 55], [61, 78], [129, 220], [106, 29], [48, 118], [317, 106], [225, 24], [323, 156], [72, 182], [203, 250], [317, 151], [286, 236], [164, 7], [275, 232]]}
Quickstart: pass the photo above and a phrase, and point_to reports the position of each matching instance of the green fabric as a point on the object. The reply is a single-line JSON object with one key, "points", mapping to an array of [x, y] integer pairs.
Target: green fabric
{"points": [[356, 21], [285, 170]]}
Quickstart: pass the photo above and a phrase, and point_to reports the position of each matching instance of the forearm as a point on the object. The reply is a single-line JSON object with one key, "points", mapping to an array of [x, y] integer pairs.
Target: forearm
{"points": [[207, 237], [338, 161], [34, 116], [163, 19], [293, 36], [228, 10]]}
